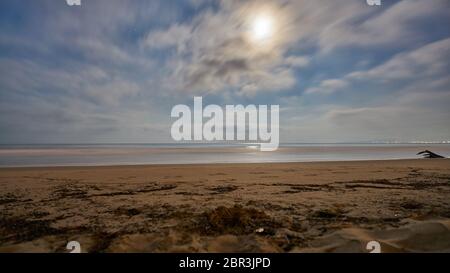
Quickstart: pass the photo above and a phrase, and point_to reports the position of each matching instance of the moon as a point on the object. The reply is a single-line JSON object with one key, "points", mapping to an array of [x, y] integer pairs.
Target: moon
{"points": [[262, 28]]}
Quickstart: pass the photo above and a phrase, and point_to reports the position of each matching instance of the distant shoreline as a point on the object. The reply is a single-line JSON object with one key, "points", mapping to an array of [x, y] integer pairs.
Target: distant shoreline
{"points": [[217, 164], [152, 155]]}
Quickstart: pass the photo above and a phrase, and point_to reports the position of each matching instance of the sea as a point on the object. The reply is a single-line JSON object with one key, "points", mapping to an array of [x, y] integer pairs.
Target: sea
{"points": [[35, 155]]}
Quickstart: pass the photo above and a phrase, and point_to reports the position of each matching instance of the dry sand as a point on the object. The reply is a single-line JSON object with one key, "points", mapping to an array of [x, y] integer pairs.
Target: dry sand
{"points": [[285, 207]]}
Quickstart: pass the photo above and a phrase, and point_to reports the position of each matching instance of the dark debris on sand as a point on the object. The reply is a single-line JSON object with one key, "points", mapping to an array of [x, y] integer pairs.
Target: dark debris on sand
{"points": [[224, 189], [20, 230], [235, 220]]}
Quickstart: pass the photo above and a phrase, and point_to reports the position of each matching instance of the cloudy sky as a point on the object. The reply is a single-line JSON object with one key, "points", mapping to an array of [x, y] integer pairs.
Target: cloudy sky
{"points": [[111, 70]]}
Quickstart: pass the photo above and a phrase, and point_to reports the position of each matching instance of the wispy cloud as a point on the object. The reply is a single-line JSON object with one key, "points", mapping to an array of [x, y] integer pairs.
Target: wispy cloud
{"points": [[113, 69]]}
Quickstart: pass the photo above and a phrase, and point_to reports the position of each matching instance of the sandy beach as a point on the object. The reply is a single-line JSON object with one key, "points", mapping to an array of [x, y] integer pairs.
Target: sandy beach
{"points": [[279, 207]]}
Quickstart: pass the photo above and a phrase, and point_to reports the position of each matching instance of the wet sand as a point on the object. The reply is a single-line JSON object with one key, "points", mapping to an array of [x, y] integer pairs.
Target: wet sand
{"points": [[276, 207]]}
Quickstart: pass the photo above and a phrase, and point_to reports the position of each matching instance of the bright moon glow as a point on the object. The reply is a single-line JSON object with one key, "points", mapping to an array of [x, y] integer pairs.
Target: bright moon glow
{"points": [[262, 28]]}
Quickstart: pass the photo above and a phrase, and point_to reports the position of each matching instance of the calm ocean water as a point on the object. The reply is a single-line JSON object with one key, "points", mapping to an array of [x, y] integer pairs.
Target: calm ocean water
{"points": [[130, 154]]}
